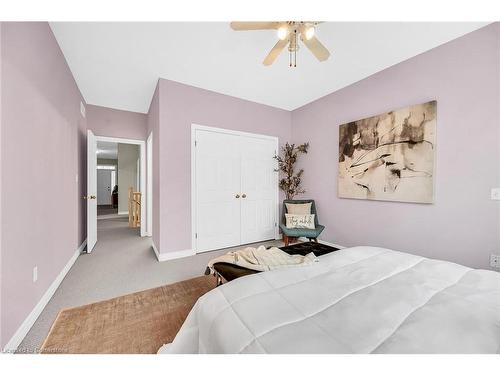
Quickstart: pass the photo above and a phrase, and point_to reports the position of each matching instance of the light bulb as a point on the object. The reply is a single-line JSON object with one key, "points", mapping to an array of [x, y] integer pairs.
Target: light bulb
{"points": [[310, 32], [283, 32]]}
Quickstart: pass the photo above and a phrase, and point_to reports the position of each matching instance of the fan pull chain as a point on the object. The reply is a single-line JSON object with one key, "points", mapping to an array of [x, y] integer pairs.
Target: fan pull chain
{"points": [[295, 50]]}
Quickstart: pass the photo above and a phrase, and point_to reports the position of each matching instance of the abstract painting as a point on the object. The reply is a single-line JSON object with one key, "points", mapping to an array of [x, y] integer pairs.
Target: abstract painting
{"points": [[390, 156]]}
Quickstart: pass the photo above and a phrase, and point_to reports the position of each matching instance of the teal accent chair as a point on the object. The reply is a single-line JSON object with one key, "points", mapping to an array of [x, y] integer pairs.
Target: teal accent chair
{"points": [[289, 235]]}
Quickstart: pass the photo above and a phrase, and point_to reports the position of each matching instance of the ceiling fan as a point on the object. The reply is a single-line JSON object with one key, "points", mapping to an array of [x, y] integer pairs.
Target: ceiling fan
{"points": [[289, 33]]}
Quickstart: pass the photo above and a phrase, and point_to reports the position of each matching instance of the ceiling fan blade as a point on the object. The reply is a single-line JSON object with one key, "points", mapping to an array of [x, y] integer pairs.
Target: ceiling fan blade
{"points": [[315, 46], [274, 53], [240, 26]]}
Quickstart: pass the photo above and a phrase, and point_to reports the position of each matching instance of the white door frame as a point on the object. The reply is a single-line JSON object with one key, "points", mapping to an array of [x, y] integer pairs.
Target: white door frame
{"points": [[142, 151], [149, 176], [194, 128], [91, 190]]}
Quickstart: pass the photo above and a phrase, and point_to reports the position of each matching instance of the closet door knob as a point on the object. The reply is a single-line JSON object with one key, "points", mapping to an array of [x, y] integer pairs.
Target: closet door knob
{"points": [[237, 196], [244, 196]]}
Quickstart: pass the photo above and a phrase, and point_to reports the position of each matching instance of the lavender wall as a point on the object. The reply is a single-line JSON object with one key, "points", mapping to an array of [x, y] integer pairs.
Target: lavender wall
{"points": [[43, 135], [1, 211], [181, 106], [110, 122], [153, 125], [463, 224], [41, 149]]}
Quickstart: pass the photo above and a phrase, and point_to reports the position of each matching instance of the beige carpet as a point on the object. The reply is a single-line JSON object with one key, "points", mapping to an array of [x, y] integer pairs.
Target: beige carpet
{"points": [[122, 262], [134, 323]]}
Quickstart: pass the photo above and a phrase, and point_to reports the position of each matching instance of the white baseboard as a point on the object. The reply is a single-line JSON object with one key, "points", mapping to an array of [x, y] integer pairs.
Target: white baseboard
{"points": [[176, 254], [122, 212], [157, 253], [82, 246], [22, 331], [162, 257]]}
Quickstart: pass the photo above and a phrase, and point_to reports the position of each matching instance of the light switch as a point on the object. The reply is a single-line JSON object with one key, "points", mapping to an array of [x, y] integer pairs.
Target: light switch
{"points": [[495, 194]]}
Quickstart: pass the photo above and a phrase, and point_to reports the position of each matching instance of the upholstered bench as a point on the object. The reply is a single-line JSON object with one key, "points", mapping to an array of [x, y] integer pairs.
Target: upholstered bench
{"points": [[230, 272]]}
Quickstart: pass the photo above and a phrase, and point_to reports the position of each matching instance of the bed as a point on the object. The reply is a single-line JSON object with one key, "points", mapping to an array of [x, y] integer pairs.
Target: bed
{"points": [[355, 300]]}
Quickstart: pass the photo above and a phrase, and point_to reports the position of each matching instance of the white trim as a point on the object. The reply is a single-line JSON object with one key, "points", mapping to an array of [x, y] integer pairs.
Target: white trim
{"points": [[233, 132], [22, 331], [194, 128], [82, 246], [144, 219], [176, 255], [122, 212], [106, 167], [142, 150], [149, 185], [157, 253], [193, 187], [110, 216], [162, 257], [129, 141]]}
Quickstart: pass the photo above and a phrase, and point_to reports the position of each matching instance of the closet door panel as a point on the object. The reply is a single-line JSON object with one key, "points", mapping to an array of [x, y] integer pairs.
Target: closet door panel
{"points": [[258, 189], [218, 182]]}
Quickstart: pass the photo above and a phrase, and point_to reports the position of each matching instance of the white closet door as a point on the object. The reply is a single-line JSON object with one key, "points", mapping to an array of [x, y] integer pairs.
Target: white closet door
{"points": [[258, 189], [217, 185]]}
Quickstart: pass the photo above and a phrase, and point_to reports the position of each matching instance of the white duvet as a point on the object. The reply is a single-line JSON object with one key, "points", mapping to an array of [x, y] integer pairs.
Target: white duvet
{"points": [[356, 300]]}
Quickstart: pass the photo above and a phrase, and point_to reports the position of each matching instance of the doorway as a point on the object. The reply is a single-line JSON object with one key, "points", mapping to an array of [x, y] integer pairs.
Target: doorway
{"points": [[116, 186], [107, 193], [107, 179]]}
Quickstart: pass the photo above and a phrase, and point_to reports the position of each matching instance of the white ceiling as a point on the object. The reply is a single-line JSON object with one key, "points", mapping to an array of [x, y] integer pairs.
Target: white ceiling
{"points": [[107, 150], [117, 65]]}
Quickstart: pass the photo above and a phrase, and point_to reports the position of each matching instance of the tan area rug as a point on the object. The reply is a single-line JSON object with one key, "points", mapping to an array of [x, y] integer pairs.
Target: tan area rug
{"points": [[135, 323]]}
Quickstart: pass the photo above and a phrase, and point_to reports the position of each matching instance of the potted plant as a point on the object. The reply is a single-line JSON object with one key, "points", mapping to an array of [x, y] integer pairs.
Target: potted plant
{"points": [[290, 181]]}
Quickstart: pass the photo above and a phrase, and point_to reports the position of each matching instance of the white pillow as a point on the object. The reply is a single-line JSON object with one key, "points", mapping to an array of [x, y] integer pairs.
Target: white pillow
{"points": [[300, 221], [298, 208]]}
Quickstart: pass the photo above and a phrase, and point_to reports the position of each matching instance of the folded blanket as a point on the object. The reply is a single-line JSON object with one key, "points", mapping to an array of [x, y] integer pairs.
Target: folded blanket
{"points": [[261, 259]]}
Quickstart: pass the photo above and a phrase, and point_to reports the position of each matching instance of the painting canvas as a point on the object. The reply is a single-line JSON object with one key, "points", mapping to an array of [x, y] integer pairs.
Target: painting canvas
{"points": [[389, 156]]}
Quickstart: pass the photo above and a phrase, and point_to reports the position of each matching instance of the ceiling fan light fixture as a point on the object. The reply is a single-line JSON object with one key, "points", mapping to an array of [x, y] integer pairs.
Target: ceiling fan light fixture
{"points": [[310, 31], [289, 34], [282, 32]]}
